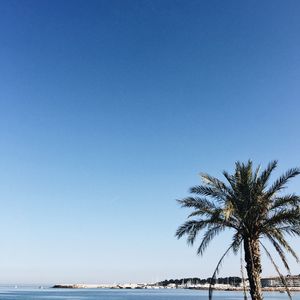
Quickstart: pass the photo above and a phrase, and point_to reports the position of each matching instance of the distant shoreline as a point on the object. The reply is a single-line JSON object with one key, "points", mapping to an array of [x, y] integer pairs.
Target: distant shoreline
{"points": [[153, 287]]}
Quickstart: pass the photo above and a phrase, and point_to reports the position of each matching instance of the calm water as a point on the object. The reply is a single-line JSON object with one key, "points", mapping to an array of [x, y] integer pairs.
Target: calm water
{"points": [[102, 294]]}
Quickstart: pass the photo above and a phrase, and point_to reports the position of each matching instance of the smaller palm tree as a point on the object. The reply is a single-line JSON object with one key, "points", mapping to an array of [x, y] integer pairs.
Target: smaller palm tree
{"points": [[252, 209]]}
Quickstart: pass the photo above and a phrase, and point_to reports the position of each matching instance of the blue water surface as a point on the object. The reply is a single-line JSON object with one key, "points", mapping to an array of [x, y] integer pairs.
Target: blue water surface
{"points": [[106, 294]]}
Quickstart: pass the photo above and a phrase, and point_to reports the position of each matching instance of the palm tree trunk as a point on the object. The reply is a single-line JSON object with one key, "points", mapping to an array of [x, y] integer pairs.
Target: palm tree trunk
{"points": [[253, 266]]}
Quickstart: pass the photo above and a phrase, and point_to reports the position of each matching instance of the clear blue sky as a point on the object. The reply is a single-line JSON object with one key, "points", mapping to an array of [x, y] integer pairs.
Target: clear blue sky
{"points": [[108, 112]]}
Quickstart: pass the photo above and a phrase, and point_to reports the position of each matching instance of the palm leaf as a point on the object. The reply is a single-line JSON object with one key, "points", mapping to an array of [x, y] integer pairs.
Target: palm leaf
{"points": [[275, 234], [280, 183], [265, 175], [208, 236], [208, 191], [285, 201], [201, 205], [217, 269], [278, 271], [190, 226], [280, 252]]}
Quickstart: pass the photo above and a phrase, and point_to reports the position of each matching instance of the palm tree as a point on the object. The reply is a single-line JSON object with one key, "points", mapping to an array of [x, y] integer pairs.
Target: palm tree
{"points": [[252, 209]]}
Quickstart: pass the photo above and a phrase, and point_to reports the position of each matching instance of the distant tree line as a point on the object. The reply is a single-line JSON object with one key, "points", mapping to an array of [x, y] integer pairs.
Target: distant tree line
{"points": [[195, 280]]}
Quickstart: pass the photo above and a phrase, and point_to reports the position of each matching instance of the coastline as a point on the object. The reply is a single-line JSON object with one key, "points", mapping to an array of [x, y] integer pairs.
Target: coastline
{"points": [[154, 287]]}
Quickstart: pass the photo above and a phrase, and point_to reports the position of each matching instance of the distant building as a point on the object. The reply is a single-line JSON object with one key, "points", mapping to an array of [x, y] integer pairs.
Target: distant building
{"points": [[292, 281]]}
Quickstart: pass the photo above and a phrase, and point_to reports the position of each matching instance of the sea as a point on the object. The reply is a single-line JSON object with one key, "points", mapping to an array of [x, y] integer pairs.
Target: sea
{"points": [[19, 293]]}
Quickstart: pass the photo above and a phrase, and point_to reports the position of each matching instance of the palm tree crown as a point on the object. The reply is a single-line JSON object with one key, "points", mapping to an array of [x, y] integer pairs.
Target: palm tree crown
{"points": [[249, 206]]}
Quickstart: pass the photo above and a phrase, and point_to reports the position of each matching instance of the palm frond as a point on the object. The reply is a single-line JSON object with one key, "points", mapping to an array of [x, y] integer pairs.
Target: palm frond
{"points": [[236, 242], [280, 253], [256, 173], [290, 230], [216, 272], [212, 181], [216, 184], [283, 202], [191, 226], [201, 205], [280, 183], [277, 270], [207, 238], [284, 217], [208, 191], [265, 174], [230, 179], [276, 234]]}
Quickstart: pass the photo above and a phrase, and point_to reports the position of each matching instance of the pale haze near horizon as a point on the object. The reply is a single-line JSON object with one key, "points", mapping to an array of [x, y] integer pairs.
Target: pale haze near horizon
{"points": [[110, 110]]}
